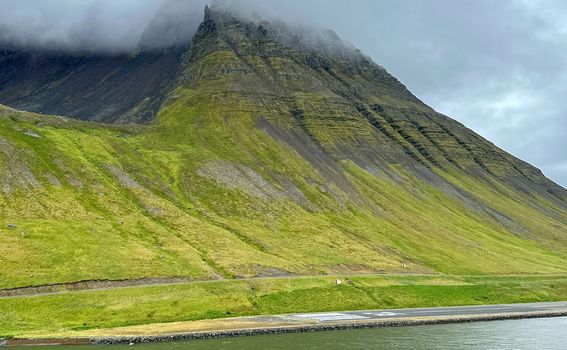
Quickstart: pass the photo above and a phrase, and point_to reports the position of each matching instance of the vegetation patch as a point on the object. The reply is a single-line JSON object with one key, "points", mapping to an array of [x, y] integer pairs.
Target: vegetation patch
{"points": [[48, 315]]}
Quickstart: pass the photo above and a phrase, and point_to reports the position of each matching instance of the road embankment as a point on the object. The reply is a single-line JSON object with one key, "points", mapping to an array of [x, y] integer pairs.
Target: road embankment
{"points": [[296, 323]]}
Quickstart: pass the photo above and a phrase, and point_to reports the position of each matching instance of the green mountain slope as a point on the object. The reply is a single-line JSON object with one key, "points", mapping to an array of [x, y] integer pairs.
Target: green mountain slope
{"points": [[270, 155]]}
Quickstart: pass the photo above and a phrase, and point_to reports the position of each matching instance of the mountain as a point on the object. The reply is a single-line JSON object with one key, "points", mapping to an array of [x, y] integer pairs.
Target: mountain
{"points": [[256, 149]]}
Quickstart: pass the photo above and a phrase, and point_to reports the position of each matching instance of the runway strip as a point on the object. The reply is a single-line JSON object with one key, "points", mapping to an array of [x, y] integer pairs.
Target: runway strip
{"points": [[436, 311]]}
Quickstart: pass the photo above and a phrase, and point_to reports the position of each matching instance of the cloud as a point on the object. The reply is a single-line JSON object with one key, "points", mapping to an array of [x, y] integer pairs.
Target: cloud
{"points": [[110, 25], [174, 23], [120, 25]]}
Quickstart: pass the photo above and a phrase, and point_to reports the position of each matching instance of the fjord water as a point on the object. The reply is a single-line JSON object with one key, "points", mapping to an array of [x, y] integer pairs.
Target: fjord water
{"points": [[542, 333]]}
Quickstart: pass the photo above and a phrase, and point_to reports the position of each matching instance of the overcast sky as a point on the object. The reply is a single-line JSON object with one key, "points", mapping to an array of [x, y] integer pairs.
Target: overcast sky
{"points": [[498, 66]]}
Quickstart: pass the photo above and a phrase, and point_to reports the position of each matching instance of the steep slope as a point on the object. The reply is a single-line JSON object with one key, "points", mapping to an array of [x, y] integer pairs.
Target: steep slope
{"points": [[272, 153], [102, 87], [319, 92]]}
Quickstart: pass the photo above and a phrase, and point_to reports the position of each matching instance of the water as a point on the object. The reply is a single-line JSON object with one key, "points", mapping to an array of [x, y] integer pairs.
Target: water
{"points": [[542, 333]]}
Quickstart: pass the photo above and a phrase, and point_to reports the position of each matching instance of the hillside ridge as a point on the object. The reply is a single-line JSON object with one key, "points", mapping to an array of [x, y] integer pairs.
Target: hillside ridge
{"points": [[265, 155]]}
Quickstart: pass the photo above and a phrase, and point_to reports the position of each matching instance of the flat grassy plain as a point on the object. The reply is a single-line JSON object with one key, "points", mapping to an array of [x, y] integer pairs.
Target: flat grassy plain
{"points": [[50, 315]]}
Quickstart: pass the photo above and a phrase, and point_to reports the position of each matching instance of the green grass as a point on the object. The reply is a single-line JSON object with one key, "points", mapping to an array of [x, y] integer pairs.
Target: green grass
{"points": [[51, 315], [129, 203]]}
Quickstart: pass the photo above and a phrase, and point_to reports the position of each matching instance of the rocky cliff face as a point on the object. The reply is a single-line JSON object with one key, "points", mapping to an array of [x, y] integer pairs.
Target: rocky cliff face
{"points": [[270, 150]]}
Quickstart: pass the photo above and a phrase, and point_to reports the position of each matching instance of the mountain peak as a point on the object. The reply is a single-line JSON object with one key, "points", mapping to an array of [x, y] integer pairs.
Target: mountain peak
{"points": [[207, 13], [324, 56]]}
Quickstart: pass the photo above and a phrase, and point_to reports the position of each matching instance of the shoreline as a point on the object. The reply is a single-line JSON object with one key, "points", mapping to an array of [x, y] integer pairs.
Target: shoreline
{"points": [[282, 329]]}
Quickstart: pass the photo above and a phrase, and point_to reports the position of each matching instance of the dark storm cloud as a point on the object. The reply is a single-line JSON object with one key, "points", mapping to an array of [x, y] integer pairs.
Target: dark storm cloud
{"points": [[500, 67]]}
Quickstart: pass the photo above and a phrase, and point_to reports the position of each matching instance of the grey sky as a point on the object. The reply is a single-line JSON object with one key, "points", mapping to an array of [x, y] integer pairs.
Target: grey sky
{"points": [[498, 66]]}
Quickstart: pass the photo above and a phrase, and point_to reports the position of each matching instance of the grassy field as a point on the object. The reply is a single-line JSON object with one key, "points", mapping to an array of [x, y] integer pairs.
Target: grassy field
{"points": [[68, 313]]}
